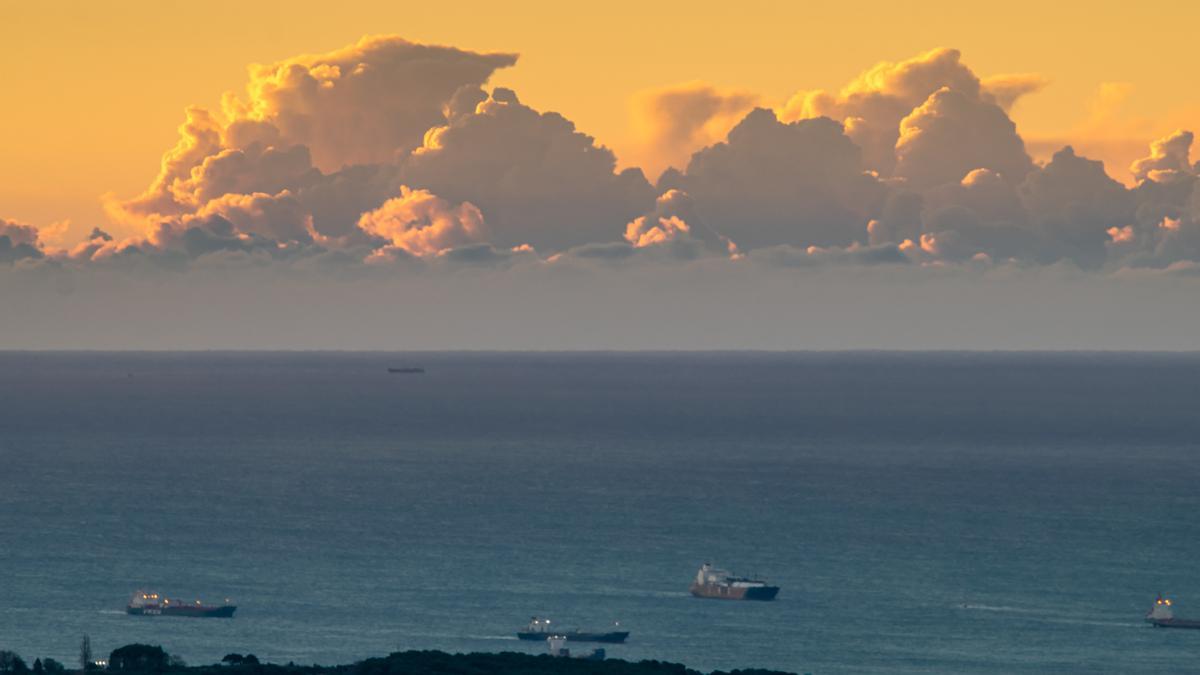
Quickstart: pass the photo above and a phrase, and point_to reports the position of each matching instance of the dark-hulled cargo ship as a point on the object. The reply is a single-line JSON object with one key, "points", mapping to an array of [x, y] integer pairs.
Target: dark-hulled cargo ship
{"points": [[1162, 616], [718, 584], [151, 604], [539, 629]]}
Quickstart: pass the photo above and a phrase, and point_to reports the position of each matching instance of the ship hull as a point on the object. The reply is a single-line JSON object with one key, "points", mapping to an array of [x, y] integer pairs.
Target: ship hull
{"points": [[225, 612], [577, 636], [719, 592], [1175, 623]]}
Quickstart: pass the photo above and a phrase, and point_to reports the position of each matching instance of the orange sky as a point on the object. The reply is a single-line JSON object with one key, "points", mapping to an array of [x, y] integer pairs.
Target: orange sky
{"points": [[94, 92]]}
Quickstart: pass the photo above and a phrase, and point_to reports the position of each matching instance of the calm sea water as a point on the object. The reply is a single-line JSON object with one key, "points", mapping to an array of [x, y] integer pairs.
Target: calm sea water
{"points": [[922, 512]]}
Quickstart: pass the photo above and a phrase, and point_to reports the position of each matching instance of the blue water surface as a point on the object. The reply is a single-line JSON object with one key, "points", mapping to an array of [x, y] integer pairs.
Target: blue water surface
{"points": [[970, 513]]}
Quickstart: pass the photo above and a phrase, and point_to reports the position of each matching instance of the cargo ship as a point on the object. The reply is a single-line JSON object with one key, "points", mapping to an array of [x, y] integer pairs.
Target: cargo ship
{"points": [[719, 584], [151, 604], [539, 629], [407, 370], [1162, 616]]}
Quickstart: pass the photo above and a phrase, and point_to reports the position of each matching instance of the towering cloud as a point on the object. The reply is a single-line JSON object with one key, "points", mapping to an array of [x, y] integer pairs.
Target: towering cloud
{"points": [[360, 105], [953, 133], [536, 178], [369, 103], [936, 88], [199, 138]]}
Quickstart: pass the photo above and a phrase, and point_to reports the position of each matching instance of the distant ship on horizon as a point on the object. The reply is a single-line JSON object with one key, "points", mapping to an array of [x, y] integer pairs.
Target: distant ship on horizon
{"points": [[408, 370], [144, 603], [719, 584]]}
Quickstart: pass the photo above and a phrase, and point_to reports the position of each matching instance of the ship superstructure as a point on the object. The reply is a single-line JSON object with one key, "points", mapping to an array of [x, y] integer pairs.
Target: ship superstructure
{"points": [[1161, 615]]}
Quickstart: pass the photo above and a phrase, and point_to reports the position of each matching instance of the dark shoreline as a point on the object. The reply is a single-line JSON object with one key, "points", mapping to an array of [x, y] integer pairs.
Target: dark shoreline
{"points": [[413, 662]]}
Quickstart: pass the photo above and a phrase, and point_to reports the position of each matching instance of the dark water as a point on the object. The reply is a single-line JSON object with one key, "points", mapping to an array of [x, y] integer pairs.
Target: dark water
{"points": [[937, 512]]}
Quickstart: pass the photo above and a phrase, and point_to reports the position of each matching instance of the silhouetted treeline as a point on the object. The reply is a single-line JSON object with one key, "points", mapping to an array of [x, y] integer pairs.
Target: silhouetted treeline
{"points": [[147, 659], [11, 664]]}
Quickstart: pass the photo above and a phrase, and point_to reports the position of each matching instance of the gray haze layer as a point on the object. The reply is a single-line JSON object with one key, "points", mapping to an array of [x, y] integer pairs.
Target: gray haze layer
{"points": [[698, 305]]}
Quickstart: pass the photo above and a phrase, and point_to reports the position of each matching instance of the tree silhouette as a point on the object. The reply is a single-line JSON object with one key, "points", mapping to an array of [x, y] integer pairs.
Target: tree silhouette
{"points": [[11, 663], [85, 654], [139, 658]]}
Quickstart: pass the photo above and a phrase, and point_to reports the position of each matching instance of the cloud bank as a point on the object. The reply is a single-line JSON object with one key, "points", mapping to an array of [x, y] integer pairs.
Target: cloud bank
{"points": [[388, 158], [389, 148]]}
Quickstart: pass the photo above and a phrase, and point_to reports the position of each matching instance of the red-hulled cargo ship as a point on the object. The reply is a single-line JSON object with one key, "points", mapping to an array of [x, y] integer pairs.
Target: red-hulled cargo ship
{"points": [[719, 584], [151, 604]]}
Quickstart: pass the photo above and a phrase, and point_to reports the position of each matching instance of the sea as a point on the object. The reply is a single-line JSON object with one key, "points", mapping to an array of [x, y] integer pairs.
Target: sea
{"points": [[921, 512]]}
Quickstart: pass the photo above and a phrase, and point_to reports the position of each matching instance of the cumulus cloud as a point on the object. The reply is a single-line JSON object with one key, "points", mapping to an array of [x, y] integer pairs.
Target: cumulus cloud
{"points": [[980, 215], [1072, 203], [673, 122], [280, 216], [18, 241], [11, 251], [255, 169], [953, 133], [369, 103], [786, 255], [485, 255], [675, 226], [18, 233], [899, 220], [773, 183], [199, 138], [357, 105], [87, 249], [336, 200], [395, 155], [1068, 209], [227, 227], [1169, 159], [420, 223], [536, 178], [323, 139], [873, 105]]}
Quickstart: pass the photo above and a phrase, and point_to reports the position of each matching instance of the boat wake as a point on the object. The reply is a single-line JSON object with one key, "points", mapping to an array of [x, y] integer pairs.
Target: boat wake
{"points": [[612, 592], [1003, 608], [1043, 615]]}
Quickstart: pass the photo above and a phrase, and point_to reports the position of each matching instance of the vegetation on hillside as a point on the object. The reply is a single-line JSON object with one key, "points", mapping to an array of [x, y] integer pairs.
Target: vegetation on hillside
{"points": [[154, 660]]}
